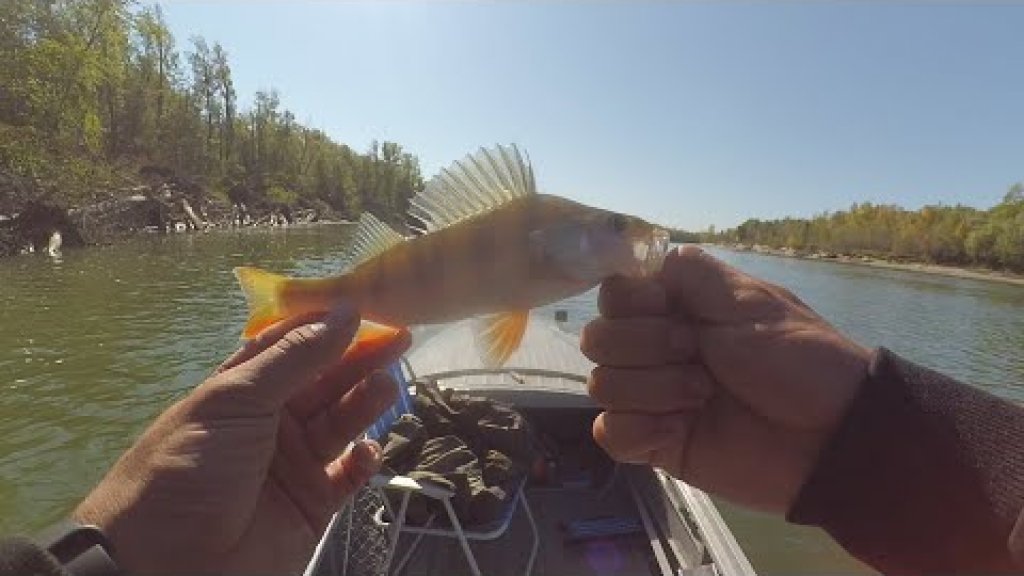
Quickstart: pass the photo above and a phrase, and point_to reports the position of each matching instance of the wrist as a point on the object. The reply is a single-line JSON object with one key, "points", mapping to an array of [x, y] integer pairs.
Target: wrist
{"points": [[102, 510]]}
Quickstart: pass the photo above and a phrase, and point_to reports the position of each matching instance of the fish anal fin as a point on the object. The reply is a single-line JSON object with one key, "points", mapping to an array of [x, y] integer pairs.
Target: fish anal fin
{"points": [[372, 238], [498, 336]]}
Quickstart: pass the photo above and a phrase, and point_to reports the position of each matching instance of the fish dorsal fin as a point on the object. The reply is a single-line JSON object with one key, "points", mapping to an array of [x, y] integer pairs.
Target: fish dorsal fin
{"points": [[476, 184], [499, 335], [372, 238]]}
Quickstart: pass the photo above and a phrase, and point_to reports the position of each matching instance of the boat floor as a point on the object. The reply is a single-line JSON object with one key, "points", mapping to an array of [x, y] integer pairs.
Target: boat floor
{"points": [[552, 510]]}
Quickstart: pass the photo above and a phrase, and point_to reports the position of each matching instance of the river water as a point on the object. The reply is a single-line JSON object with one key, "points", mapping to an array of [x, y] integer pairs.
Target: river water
{"points": [[94, 345]]}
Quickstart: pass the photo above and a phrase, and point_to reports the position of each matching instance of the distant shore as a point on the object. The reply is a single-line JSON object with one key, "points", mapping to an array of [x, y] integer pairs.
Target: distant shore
{"points": [[924, 268]]}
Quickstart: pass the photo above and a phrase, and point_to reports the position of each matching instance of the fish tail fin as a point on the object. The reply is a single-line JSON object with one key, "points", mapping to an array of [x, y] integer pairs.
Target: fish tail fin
{"points": [[263, 293]]}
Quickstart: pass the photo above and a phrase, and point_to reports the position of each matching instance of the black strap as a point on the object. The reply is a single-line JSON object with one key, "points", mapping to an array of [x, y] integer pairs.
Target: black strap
{"points": [[82, 549]]}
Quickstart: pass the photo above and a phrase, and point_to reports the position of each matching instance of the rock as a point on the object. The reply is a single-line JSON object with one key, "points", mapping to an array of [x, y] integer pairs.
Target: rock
{"points": [[106, 221], [32, 229]]}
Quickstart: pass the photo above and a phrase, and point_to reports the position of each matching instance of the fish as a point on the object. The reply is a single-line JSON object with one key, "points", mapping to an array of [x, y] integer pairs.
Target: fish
{"points": [[486, 245]]}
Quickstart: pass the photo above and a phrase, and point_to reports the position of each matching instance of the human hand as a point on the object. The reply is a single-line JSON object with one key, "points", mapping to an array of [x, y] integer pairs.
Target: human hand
{"points": [[727, 382], [243, 475]]}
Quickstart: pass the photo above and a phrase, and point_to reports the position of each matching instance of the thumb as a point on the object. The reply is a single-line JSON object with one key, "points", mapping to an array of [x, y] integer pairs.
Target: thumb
{"points": [[704, 288], [300, 356]]}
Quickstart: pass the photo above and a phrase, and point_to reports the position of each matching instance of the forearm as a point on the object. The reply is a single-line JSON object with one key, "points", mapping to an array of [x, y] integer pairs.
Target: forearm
{"points": [[924, 474]]}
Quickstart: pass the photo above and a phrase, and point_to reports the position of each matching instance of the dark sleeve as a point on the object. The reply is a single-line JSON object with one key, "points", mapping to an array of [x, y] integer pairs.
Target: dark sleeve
{"points": [[22, 557], [924, 475]]}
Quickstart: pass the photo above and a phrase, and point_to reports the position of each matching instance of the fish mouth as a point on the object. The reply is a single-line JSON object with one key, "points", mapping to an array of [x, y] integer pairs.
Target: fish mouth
{"points": [[650, 252]]}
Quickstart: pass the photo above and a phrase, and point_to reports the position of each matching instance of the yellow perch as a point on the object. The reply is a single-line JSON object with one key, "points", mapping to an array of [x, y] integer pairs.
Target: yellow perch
{"points": [[488, 244]]}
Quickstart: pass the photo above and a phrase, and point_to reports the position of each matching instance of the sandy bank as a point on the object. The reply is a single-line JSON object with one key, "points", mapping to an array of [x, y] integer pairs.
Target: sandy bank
{"points": [[937, 269]]}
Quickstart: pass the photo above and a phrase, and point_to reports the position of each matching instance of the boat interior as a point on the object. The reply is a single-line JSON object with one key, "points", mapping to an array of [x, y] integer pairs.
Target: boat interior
{"points": [[592, 516]]}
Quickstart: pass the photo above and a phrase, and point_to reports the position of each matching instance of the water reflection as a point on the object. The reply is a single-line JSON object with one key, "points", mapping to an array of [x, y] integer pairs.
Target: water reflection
{"points": [[94, 346]]}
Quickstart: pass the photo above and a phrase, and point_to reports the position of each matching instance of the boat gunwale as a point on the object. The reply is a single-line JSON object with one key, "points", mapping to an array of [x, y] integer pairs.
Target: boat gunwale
{"points": [[510, 371]]}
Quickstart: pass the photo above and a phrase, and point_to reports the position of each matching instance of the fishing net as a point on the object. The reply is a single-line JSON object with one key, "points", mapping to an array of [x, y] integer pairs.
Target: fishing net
{"points": [[360, 545]]}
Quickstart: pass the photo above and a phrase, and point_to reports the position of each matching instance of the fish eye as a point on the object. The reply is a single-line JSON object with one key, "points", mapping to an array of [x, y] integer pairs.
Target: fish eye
{"points": [[617, 222]]}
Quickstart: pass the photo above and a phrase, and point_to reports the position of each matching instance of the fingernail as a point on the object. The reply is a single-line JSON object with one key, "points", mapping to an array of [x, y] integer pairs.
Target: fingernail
{"points": [[374, 451]]}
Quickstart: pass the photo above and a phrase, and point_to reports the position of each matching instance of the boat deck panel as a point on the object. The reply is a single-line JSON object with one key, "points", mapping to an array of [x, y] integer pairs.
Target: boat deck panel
{"points": [[545, 347]]}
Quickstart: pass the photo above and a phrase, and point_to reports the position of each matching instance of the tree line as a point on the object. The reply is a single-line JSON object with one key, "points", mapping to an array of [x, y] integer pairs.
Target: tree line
{"points": [[93, 90], [954, 235]]}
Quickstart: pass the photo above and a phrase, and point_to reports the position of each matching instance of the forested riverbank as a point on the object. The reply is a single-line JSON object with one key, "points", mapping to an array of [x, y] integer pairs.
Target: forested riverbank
{"points": [[944, 236], [109, 125]]}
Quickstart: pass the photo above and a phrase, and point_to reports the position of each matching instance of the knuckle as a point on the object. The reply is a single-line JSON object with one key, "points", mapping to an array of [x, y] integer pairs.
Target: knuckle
{"points": [[373, 399], [687, 265], [787, 293], [596, 385], [590, 339], [794, 299], [301, 337], [614, 291], [676, 260], [223, 383]]}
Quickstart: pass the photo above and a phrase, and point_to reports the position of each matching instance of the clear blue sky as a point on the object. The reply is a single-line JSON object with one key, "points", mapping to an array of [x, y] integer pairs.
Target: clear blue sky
{"points": [[689, 114]]}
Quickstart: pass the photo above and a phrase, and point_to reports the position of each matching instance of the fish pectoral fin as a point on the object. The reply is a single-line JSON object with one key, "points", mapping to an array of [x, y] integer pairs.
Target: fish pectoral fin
{"points": [[263, 293], [498, 336], [371, 339]]}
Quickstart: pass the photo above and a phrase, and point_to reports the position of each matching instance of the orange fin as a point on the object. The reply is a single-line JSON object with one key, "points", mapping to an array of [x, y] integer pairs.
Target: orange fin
{"points": [[371, 338], [263, 293], [498, 336]]}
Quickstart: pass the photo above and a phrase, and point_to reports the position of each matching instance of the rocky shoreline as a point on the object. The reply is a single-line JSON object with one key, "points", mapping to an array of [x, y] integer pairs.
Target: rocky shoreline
{"points": [[862, 260], [164, 207], [42, 227]]}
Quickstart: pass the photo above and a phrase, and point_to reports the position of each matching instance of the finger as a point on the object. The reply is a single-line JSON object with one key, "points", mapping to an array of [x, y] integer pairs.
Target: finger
{"points": [[299, 357], [349, 371], [639, 341], [786, 294], [655, 390], [702, 287], [353, 469], [340, 423], [267, 338], [622, 296], [642, 438]]}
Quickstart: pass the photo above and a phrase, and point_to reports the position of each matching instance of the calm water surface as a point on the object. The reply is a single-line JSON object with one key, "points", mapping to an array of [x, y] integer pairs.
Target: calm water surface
{"points": [[92, 347]]}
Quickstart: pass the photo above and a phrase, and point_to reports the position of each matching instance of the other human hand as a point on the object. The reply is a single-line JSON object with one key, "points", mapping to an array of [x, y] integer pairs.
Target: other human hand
{"points": [[243, 474], [727, 382]]}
